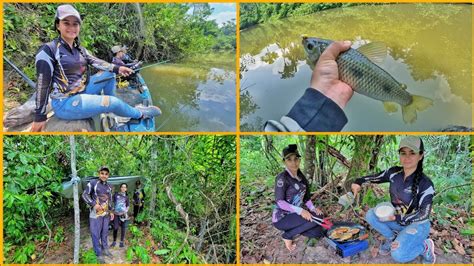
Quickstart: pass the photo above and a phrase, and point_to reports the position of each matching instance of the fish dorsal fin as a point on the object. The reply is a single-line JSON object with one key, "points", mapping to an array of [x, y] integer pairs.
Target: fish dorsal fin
{"points": [[374, 51]]}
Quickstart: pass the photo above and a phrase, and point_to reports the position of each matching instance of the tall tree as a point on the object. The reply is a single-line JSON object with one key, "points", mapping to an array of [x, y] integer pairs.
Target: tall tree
{"points": [[360, 158], [310, 157]]}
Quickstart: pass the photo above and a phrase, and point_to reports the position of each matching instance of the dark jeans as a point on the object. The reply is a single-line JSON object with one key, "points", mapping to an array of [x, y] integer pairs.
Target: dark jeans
{"points": [[123, 227], [136, 210], [99, 230], [293, 225]]}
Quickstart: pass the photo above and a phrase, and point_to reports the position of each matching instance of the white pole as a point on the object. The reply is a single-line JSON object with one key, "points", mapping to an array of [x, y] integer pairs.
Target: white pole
{"points": [[77, 222]]}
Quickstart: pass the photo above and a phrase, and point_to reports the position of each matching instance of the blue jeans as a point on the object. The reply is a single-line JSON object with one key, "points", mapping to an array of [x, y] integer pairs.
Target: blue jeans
{"points": [[99, 231], [90, 103], [410, 238]]}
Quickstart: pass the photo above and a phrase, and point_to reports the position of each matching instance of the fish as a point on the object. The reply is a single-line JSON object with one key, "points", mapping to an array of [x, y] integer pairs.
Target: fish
{"points": [[345, 236], [358, 68]]}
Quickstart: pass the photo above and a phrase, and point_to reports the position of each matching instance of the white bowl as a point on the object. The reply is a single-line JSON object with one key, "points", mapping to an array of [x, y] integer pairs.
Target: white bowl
{"points": [[384, 210]]}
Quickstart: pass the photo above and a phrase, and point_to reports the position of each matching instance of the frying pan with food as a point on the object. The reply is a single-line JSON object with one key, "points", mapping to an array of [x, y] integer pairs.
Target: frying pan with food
{"points": [[346, 232]]}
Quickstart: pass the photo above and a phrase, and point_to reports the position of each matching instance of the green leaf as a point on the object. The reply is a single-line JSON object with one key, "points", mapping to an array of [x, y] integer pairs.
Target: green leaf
{"points": [[23, 159], [469, 231], [161, 251]]}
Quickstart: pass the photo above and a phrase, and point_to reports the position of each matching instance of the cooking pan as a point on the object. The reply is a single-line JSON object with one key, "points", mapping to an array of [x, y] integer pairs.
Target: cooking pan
{"points": [[361, 235]]}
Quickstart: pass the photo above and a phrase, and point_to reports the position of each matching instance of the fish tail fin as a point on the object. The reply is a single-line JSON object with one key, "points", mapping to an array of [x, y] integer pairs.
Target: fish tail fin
{"points": [[419, 103]]}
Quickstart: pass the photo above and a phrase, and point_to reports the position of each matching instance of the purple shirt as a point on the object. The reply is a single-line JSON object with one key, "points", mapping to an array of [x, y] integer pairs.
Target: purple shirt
{"points": [[121, 203], [290, 195], [98, 192]]}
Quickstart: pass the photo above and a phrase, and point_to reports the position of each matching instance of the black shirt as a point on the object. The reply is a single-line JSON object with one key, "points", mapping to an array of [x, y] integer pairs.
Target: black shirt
{"points": [[401, 194]]}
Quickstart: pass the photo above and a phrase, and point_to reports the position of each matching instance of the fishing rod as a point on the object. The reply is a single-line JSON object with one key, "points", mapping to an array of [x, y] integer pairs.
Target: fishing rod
{"points": [[25, 77], [159, 63], [134, 71]]}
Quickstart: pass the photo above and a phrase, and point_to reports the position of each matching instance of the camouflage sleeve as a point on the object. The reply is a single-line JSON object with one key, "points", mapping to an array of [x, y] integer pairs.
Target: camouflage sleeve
{"points": [[86, 195], [99, 63], [44, 62], [425, 200], [316, 112], [378, 178]]}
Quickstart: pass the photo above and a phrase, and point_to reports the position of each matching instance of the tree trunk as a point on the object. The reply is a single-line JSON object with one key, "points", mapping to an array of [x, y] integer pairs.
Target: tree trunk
{"points": [[310, 157], [360, 159], [378, 140], [154, 175], [269, 152], [77, 221], [142, 30]]}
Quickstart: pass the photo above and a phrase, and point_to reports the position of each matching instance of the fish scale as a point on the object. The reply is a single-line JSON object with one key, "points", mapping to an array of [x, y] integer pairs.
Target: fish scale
{"points": [[364, 76], [357, 69], [369, 79]]}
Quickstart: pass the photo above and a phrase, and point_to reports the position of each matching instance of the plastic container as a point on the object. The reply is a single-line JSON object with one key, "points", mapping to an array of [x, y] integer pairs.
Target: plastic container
{"points": [[384, 210], [346, 199]]}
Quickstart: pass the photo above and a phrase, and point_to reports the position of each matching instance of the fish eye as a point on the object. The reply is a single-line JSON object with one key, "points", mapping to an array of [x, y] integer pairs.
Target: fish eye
{"points": [[310, 46]]}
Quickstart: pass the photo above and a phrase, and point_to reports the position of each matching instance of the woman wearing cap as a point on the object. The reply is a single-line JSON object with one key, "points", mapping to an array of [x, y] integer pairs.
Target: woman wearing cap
{"points": [[62, 68], [411, 192], [119, 55], [138, 200], [121, 205], [291, 195]]}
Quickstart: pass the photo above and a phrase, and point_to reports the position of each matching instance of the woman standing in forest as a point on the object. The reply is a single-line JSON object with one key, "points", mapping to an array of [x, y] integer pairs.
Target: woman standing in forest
{"points": [[411, 192], [62, 68], [121, 205], [138, 200], [291, 192]]}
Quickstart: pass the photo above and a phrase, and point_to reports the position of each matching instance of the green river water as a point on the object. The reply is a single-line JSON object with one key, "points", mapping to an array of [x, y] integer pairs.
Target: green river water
{"points": [[195, 95], [429, 50]]}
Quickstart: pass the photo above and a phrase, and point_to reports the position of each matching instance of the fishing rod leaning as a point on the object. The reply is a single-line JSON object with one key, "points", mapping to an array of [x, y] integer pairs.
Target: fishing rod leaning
{"points": [[134, 71]]}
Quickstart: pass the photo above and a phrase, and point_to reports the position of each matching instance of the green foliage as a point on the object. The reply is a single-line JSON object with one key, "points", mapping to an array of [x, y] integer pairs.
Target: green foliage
{"points": [[24, 199], [135, 231], [173, 239], [59, 235], [470, 228], [253, 13], [162, 251], [88, 257], [23, 254], [138, 253]]}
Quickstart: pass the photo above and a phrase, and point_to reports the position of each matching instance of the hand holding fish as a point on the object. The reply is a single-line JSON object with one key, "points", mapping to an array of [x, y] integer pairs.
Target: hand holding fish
{"points": [[336, 64], [325, 76]]}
